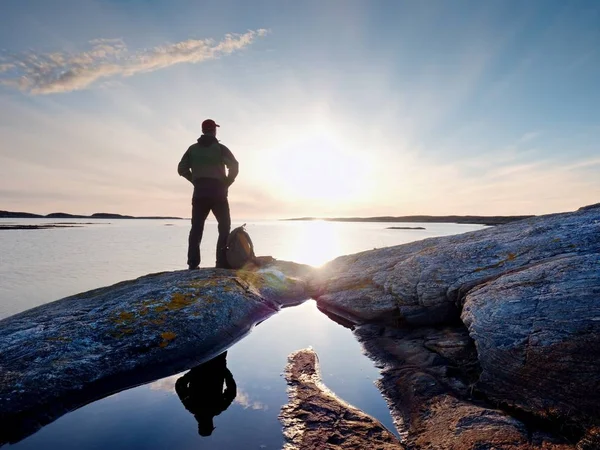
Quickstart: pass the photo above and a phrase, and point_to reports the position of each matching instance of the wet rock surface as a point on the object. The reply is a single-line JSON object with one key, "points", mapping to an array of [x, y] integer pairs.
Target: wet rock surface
{"points": [[522, 302], [316, 419], [64, 354]]}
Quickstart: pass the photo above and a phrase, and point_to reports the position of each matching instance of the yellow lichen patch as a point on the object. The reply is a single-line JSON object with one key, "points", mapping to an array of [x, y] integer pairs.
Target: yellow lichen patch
{"points": [[200, 284], [167, 336], [123, 318], [358, 284], [59, 339], [122, 333], [125, 315], [252, 278], [210, 299], [179, 300], [510, 257], [154, 313], [159, 308]]}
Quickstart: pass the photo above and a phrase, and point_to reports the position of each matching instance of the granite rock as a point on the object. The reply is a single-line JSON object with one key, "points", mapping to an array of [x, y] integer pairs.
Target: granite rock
{"points": [[64, 354], [425, 282], [537, 332], [527, 293]]}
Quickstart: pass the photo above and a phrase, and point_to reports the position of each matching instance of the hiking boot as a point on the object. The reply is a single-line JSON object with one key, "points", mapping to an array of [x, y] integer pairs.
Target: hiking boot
{"points": [[222, 265], [192, 267]]}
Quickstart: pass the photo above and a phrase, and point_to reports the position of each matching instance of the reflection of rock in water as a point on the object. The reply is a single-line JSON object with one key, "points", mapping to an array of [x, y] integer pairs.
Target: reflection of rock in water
{"points": [[315, 418], [206, 391], [427, 379]]}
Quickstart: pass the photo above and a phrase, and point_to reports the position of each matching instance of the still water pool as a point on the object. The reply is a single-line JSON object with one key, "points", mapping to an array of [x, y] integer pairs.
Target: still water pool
{"points": [[38, 266]]}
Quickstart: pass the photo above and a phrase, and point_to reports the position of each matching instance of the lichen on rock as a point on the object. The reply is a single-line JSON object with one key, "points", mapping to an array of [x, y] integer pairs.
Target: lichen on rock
{"points": [[66, 353]]}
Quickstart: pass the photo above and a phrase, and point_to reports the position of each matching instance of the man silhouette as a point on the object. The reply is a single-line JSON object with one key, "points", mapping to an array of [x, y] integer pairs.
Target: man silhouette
{"points": [[201, 392], [203, 164]]}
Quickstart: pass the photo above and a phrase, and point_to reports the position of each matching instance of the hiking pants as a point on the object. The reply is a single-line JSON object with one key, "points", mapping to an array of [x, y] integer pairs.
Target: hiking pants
{"points": [[201, 207]]}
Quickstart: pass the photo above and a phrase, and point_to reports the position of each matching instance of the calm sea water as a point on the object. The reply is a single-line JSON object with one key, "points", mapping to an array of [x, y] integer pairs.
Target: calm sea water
{"points": [[38, 266]]}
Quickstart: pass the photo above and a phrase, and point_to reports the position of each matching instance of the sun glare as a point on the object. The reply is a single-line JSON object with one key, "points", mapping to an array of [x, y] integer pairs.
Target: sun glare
{"points": [[315, 244], [319, 167]]}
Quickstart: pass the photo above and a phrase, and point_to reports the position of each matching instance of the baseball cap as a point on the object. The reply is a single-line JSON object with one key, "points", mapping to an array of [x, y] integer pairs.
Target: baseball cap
{"points": [[209, 124]]}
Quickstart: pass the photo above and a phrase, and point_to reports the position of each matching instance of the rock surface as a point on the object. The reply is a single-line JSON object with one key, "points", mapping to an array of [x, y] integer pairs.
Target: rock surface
{"points": [[426, 378], [424, 282], [64, 354], [488, 339], [527, 292], [315, 419], [537, 333]]}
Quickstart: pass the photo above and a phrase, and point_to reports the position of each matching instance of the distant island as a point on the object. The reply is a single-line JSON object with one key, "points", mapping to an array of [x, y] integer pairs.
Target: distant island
{"points": [[475, 220], [405, 228], [61, 215]]}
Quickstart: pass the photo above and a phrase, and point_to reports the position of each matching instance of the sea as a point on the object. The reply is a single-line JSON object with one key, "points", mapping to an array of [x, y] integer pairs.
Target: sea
{"points": [[38, 266]]}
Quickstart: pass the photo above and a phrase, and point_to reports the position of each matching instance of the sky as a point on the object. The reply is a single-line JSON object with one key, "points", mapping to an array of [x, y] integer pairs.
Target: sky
{"points": [[332, 107]]}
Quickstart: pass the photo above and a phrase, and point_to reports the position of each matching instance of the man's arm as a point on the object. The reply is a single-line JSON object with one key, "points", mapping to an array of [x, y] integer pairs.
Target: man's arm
{"points": [[233, 167], [230, 389], [181, 387], [185, 167]]}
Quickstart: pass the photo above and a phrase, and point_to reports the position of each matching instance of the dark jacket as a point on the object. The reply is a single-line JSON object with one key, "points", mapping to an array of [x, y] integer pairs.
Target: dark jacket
{"points": [[203, 164], [201, 391]]}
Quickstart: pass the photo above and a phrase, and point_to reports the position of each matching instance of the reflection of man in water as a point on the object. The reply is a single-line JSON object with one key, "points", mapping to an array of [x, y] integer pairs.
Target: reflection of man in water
{"points": [[201, 391]]}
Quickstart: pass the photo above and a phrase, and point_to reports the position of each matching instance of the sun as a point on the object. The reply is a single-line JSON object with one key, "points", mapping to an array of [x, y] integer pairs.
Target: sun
{"points": [[318, 167], [313, 243]]}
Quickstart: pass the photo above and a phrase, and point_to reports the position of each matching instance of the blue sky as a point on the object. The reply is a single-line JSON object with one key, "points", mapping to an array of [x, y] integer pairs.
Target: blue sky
{"points": [[331, 107]]}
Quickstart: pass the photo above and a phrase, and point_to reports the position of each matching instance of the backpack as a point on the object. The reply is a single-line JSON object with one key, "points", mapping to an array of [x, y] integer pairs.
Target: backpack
{"points": [[240, 250]]}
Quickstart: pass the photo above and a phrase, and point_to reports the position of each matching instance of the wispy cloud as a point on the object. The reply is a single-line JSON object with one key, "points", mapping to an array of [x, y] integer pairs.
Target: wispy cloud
{"points": [[50, 73], [243, 399], [530, 136]]}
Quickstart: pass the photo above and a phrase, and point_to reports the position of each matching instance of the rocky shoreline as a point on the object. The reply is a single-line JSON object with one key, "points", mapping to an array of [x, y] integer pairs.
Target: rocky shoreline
{"points": [[61, 215], [62, 355], [489, 339], [472, 220]]}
